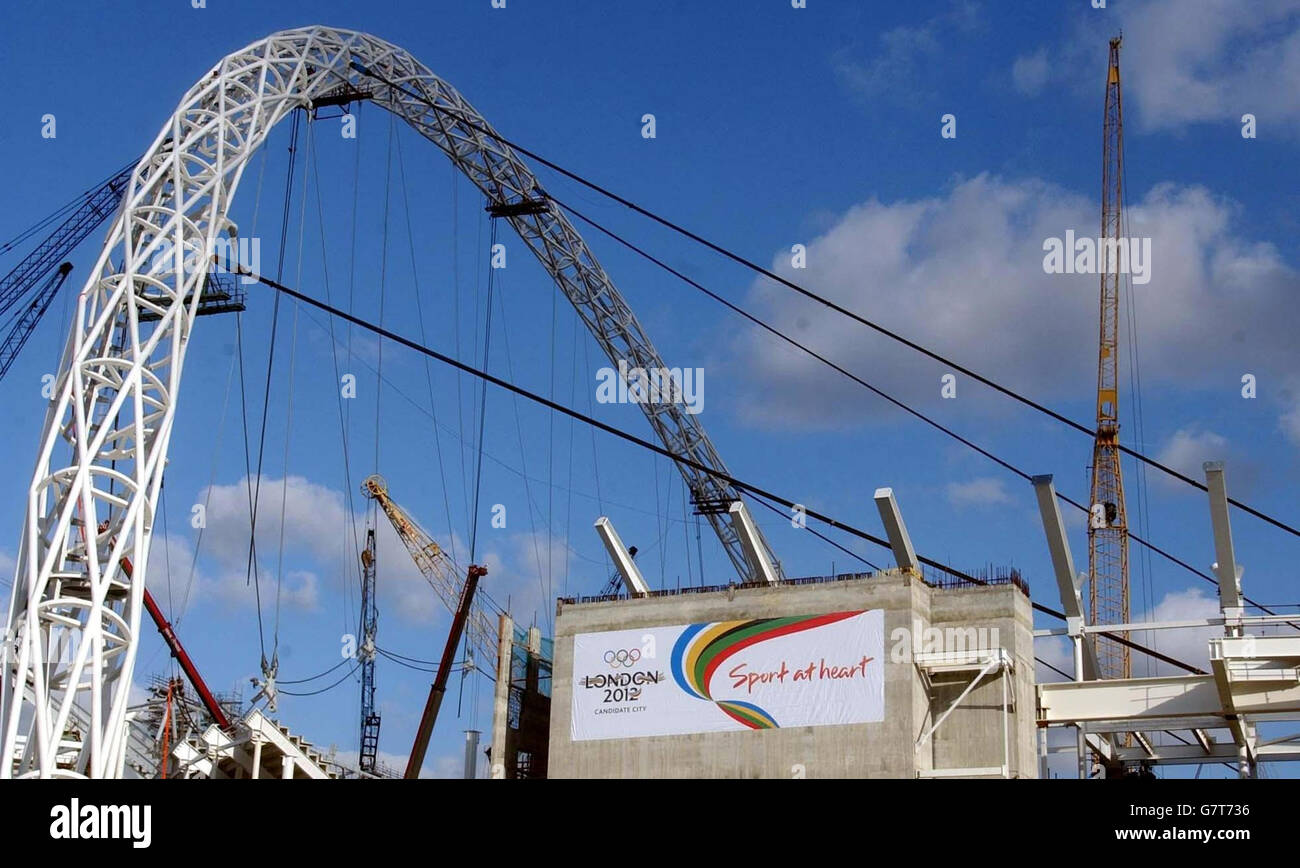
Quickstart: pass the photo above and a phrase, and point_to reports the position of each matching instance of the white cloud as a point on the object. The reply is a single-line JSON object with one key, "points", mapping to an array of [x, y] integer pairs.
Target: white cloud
{"points": [[1212, 61], [318, 540], [1290, 422], [1186, 451], [1030, 72], [1186, 61], [318, 543], [1188, 644], [1054, 650], [963, 272], [984, 491], [448, 766], [894, 68], [897, 69], [518, 563]]}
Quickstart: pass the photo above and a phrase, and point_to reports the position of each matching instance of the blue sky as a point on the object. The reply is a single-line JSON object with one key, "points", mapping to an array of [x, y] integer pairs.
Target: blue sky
{"points": [[775, 127]]}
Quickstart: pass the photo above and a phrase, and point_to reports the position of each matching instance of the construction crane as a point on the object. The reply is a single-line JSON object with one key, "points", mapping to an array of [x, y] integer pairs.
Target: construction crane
{"points": [[88, 212], [366, 657], [90, 209], [1108, 588], [438, 569], [27, 318], [456, 594]]}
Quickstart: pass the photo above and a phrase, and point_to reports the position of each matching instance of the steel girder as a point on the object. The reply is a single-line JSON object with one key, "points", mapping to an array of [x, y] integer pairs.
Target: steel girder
{"points": [[75, 613]]}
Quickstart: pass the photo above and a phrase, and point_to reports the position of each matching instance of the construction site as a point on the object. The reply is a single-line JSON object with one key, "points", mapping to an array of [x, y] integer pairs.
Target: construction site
{"points": [[719, 650]]}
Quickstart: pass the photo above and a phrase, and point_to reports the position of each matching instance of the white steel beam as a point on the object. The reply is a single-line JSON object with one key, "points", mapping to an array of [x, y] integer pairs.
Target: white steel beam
{"points": [[899, 539], [1190, 754], [751, 542], [1139, 701], [627, 568], [1225, 568], [1179, 754], [1067, 583], [1155, 724], [1133, 699]]}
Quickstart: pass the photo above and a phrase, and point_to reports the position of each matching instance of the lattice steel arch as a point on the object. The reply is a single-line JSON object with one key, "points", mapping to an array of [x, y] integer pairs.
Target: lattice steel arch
{"points": [[75, 612]]}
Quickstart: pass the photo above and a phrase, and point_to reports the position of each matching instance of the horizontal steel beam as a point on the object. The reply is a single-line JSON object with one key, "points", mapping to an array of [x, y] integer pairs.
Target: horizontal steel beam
{"points": [[1140, 700]]}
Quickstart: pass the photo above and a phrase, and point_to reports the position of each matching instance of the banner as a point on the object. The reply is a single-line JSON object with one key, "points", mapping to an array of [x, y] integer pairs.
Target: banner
{"points": [[814, 670]]}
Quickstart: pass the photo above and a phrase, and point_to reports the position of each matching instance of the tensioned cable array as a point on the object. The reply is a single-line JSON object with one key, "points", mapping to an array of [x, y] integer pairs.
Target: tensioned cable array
{"points": [[255, 488], [739, 484], [877, 391], [771, 275]]}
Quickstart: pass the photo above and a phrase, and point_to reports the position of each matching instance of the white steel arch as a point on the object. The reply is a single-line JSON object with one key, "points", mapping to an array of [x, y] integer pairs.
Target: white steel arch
{"points": [[75, 609]]}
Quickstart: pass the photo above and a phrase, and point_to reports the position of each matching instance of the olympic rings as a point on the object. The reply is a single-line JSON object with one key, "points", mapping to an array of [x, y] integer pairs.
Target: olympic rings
{"points": [[621, 657]]}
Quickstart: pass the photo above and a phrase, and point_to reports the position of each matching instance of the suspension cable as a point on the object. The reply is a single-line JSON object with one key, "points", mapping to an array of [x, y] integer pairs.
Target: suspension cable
{"points": [[288, 415], [351, 565], [317, 675], [207, 494], [345, 677], [739, 484], [428, 370], [253, 570], [771, 275], [482, 405], [877, 391]]}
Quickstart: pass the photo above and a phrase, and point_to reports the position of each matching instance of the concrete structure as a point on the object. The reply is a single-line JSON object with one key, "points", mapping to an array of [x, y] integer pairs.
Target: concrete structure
{"points": [[937, 641], [258, 748], [522, 706]]}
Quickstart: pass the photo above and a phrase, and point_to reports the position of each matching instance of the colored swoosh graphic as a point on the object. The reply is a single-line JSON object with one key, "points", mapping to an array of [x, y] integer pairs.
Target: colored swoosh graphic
{"points": [[702, 648]]}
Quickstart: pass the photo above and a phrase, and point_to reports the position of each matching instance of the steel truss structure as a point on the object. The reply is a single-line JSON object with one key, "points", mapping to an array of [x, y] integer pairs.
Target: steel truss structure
{"points": [[1254, 677], [1108, 581], [75, 614]]}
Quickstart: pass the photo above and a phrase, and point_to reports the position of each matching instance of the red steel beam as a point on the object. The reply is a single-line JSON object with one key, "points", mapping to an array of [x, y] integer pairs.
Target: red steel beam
{"points": [[183, 658], [439, 687]]}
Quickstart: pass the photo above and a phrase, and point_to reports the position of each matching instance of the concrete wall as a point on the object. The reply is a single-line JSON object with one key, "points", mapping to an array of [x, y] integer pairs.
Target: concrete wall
{"points": [[886, 749], [971, 736]]}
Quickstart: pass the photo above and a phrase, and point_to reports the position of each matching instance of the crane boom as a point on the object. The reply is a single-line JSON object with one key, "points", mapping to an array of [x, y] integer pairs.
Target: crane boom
{"points": [[437, 568], [97, 205], [1108, 586], [25, 322]]}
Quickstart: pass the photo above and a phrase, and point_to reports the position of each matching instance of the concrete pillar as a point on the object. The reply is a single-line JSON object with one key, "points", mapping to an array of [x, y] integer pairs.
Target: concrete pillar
{"points": [[471, 754], [534, 652], [287, 773], [257, 757], [501, 701]]}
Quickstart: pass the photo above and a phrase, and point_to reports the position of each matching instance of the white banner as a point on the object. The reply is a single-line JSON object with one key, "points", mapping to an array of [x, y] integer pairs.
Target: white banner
{"points": [[816, 670]]}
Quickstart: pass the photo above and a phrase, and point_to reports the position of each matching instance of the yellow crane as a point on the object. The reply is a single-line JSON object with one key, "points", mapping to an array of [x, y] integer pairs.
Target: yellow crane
{"points": [[468, 619], [437, 567], [1108, 587]]}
